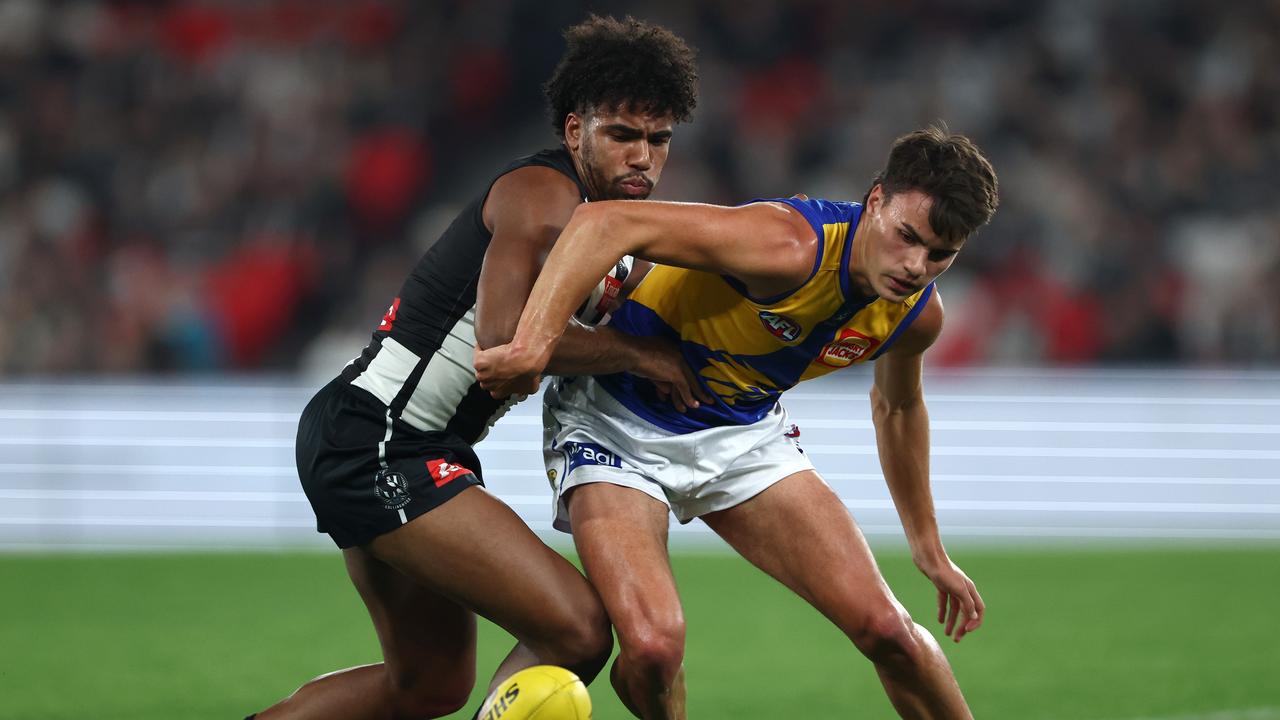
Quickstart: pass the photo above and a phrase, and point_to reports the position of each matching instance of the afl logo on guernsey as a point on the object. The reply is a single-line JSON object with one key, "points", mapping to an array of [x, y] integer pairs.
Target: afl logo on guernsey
{"points": [[849, 347], [780, 326]]}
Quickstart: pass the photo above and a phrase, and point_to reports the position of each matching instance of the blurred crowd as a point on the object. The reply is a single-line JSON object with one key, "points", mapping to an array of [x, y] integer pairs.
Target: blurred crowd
{"points": [[213, 186]]}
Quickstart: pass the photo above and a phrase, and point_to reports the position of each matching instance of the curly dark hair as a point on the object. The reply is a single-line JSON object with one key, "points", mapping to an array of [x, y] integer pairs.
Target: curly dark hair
{"points": [[613, 64], [950, 169]]}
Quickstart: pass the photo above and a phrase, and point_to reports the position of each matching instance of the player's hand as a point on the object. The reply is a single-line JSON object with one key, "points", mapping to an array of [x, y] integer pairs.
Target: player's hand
{"points": [[508, 370], [960, 607], [659, 360]]}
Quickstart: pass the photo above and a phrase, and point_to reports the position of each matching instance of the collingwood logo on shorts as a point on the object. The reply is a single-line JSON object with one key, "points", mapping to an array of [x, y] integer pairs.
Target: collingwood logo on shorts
{"points": [[392, 488]]}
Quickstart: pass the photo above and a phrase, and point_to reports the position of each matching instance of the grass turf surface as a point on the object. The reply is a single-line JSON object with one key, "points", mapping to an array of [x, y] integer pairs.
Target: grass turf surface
{"points": [[1070, 634]]}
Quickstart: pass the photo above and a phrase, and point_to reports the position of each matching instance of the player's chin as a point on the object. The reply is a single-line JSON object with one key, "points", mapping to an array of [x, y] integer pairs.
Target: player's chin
{"points": [[895, 291], [631, 192], [884, 292]]}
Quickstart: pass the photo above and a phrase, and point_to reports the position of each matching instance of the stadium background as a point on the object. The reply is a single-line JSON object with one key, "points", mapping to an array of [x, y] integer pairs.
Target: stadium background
{"points": [[206, 206]]}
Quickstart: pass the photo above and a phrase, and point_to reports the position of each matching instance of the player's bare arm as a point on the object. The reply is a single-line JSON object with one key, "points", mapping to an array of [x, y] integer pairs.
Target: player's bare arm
{"points": [[902, 438], [526, 211], [767, 246]]}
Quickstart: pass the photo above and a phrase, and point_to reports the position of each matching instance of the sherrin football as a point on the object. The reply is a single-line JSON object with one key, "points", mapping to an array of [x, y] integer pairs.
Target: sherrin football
{"points": [[542, 692], [604, 298]]}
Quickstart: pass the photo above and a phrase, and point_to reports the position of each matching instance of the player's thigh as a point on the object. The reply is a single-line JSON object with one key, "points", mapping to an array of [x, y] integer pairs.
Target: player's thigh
{"points": [[478, 552], [621, 537], [428, 640], [799, 532]]}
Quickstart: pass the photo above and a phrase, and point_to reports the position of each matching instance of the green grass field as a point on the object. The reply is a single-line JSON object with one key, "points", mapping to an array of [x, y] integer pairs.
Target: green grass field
{"points": [[1106, 634]]}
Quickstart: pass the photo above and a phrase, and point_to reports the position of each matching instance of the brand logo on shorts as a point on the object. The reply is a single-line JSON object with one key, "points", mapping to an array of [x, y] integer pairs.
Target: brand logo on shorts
{"points": [[590, 454], [392, 489], [849, 347], [389, 318], [793, 434], [780, 326], [443, 471]]}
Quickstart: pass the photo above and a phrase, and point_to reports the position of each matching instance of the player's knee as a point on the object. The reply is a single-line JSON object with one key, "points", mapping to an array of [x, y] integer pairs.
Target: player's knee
{"points": [[655, 648], [417, 697], [584, 644], [887, 635]]}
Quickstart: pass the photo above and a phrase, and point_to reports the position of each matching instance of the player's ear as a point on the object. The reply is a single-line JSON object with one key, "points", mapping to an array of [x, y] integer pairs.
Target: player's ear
{"points": [[875, 199], [574, 127]]}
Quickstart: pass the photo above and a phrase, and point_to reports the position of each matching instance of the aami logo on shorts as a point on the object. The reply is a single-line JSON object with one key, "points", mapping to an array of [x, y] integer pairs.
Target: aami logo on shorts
{"points": [[780, 326], [391, 488], [443, 471], [849, 347], [590, 454]]}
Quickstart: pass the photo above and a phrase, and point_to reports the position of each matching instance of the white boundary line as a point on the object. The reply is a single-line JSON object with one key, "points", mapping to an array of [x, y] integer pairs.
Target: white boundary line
{"points": [[147, 415], [1036, 426], [182, 496], [92, 469], [543, 526], [1004, 506], [937, 478], [1006, 451], [791, 397], [1081, 507], [1031, 426], [931, 398], [868, 450], [288, 471], [155, 386]]}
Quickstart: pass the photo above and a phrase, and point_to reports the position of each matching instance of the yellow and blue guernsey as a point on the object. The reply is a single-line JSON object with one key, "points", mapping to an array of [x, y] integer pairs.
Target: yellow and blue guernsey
{"points": [[747, 351]]}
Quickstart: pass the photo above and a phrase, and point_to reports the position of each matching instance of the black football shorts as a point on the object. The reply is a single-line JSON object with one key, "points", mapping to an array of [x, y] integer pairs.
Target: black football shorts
{"points": [[358, 493]]}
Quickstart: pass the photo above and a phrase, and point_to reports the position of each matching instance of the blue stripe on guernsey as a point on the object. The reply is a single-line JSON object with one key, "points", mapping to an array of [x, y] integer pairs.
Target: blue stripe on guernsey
{"points": [[816, 223], [747, 352], [846, 281], [820, 213], [782, 367], [925, 295], [785, 365], [633, 318], [639, 396]]}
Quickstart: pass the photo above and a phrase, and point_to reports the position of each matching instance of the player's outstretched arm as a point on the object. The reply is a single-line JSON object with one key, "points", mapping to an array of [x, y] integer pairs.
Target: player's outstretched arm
{"points": [[526, 210], [768, 246], [902, 439]]}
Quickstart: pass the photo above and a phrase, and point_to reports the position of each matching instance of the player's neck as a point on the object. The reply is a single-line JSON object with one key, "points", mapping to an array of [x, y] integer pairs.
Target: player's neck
{"points": [[579, 166], [857, 261]]}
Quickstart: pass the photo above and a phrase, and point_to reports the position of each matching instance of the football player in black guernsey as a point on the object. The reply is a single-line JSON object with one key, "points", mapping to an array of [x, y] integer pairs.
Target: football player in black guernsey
{"points": [[385, 451]]}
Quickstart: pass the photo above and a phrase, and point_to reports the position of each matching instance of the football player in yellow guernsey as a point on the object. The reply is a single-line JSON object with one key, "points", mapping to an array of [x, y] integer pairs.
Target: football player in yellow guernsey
{"points": [[760, 297]]}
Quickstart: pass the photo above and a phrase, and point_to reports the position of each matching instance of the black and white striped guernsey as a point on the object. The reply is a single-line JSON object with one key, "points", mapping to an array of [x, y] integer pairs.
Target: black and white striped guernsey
{"points": [[419, 361]]}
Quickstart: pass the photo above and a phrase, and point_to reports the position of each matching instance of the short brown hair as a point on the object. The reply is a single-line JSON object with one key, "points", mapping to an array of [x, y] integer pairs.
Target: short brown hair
{"points": [[950, 169]]}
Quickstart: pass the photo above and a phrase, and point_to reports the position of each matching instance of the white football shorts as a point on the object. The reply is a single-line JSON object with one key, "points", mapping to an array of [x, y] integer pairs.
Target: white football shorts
{"points": [[590, 437]]}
